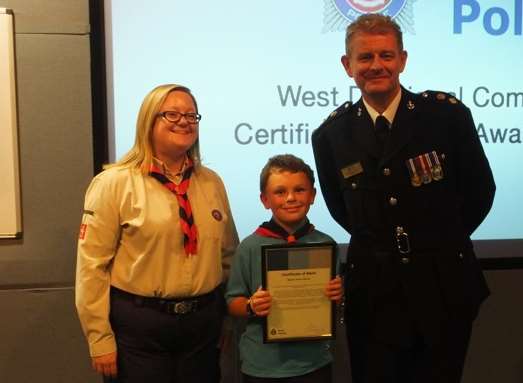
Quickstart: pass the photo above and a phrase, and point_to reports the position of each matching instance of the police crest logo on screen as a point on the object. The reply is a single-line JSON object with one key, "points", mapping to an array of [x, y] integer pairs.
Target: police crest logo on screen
{"points": [[339, 13]]}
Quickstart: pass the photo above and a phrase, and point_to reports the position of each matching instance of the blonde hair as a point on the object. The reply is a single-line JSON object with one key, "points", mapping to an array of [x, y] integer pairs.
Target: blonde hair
{"points": [[141, 154], [373, 23]]}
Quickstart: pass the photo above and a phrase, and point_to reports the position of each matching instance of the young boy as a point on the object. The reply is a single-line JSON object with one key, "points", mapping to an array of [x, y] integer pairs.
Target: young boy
{"points": [[287, 189]]}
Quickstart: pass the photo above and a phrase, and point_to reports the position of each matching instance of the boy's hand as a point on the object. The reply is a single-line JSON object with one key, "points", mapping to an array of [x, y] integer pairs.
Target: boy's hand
{"points": [[334, 289], [261, 302]]}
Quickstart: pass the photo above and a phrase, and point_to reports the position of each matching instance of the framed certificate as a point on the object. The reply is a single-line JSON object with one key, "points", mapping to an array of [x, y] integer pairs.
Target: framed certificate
{"points": [[296, 275]]}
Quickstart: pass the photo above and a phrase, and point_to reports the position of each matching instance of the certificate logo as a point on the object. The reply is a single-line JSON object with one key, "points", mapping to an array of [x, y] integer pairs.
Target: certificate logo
{"points": [[340, 13]]}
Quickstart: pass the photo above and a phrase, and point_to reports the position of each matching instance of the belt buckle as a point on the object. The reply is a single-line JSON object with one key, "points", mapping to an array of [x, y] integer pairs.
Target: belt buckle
{"points": [[182, 307], [402, 241]]}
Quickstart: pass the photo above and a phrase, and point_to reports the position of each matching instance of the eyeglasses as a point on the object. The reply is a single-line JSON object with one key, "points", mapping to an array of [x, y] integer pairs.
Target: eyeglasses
{"points": [[173, 116]]}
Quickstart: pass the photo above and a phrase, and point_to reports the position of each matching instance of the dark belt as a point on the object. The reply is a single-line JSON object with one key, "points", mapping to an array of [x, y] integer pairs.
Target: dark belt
{"points": [[176, 306]]}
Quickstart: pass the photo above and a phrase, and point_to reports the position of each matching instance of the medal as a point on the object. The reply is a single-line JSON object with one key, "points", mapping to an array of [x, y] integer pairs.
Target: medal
{"points": [[426, 177], [437, 171], [425, 168], [432, 167], [415, 179]]}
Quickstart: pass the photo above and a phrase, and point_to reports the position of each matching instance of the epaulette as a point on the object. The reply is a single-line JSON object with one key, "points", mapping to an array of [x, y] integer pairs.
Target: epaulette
{"points": [[442, 97], [336, 113]]}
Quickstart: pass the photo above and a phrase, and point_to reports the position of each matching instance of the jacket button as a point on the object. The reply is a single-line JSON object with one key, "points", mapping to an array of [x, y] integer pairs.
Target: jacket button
{"points": [[405, 260], [393, 201], [354, 186], [386, 172], [351, 266], [460, 255]]}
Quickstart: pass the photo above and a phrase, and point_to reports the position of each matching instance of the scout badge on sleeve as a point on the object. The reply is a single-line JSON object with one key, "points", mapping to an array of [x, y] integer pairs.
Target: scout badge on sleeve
{"points": [[83, 230], [83, 226], [424, 168]]}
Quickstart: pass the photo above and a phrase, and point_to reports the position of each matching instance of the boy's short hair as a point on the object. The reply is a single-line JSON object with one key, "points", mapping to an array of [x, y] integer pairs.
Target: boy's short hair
{"points": [[284, 163]]}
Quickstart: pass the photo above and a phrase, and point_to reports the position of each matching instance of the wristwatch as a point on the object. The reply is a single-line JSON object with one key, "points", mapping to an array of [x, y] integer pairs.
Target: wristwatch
{"points": [[250, 312]]}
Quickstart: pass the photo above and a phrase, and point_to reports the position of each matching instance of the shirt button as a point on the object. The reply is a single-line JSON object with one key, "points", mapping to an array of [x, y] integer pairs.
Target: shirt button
{"points": [[393, 201], [405, 260], [386, 172], [354, 186]]}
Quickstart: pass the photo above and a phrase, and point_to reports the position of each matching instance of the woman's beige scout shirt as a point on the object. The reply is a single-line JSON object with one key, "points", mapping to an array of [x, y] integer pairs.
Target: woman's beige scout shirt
{"points": [[130, 238]]}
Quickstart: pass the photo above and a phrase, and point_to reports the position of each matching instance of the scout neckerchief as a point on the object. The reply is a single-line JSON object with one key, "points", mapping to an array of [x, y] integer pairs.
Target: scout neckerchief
{"points": [[273, 230], [180, 191]]}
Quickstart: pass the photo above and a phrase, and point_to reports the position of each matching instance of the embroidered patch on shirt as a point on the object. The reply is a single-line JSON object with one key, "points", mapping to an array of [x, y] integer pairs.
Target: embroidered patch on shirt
{"points": [[83, 229], [217, 215]]}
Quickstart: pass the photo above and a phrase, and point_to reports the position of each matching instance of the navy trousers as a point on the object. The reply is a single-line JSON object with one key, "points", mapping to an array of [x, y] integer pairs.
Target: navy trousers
{"points": [[155, 346], [389, 347]]}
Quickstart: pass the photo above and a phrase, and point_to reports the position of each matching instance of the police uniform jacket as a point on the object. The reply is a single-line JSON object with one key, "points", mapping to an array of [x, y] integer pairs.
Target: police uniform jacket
{"points": [[417, 236]]}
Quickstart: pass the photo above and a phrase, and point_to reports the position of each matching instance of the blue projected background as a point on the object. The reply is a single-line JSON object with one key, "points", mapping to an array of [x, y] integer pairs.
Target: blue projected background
{"points": [[267, 73]]}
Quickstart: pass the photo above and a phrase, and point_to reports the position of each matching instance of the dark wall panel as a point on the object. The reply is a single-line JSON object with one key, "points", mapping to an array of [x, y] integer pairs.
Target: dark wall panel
{"points": [[41, 337]]}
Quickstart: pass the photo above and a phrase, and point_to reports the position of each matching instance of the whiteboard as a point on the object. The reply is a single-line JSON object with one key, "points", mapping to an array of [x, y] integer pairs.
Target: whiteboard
{"points": [[10, 210]]}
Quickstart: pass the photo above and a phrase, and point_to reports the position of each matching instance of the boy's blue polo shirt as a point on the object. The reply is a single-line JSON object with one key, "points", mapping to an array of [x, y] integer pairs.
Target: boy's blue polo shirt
{"points": [[273, 360]]}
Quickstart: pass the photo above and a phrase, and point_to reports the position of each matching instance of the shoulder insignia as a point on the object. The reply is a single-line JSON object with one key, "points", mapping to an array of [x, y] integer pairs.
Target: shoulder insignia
{"points": [[339, 111], [439, 97]]}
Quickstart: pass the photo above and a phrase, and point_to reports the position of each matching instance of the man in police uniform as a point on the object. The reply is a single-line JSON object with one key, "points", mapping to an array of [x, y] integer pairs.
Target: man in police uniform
{"points": [[406, 176]]}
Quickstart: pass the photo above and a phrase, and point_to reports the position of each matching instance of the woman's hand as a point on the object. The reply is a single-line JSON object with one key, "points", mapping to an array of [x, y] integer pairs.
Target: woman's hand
{"points": [[334, 289], [261, 302], [105, 364]]}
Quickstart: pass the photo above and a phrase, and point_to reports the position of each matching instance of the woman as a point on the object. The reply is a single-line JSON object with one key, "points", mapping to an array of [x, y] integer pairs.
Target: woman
{"points": [[156, 236]]}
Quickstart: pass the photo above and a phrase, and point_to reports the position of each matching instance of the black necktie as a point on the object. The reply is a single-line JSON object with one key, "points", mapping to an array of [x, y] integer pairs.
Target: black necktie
{"points": [[382, 132]]}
